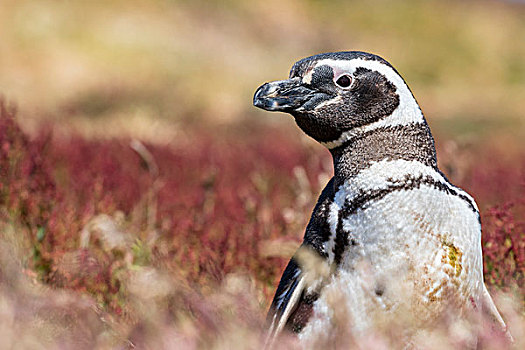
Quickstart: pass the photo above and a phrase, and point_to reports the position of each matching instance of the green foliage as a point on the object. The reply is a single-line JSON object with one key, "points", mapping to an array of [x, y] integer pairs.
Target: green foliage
{"points": [[141, 253]]}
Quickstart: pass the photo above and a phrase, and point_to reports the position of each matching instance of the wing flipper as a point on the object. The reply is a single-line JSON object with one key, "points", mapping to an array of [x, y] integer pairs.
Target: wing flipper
{"points": [[490, 310], [285, 301]]}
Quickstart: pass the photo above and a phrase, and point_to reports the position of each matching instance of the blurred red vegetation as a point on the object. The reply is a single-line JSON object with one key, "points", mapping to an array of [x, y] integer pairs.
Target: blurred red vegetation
{"points": [[212, 209]]}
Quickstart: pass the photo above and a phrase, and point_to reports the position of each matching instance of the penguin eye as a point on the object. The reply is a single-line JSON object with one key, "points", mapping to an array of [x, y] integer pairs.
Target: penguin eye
{"points": [[344, 81]]}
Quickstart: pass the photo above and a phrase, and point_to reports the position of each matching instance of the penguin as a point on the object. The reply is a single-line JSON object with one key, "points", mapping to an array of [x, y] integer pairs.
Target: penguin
{"points": [[390, 240]]}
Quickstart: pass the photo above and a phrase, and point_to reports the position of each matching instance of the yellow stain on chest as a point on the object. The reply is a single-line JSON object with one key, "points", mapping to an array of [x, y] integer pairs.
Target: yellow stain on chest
{"points": [[454, 257], [452, 266]]}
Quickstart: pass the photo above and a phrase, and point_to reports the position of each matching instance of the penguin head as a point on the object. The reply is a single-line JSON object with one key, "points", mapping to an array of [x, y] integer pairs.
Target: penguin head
{"points": [[331, 94]]}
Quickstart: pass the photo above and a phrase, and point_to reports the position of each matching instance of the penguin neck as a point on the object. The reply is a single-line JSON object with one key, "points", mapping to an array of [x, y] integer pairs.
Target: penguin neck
{"points": [[412, 142]]}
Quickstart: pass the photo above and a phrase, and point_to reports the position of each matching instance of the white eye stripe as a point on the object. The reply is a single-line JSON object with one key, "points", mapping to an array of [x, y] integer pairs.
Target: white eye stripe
{"points": [[348, 67], [307, 79], [407, 112]]}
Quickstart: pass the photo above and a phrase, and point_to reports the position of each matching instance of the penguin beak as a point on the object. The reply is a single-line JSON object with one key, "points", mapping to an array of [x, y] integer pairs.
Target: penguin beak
{"points": [[283, 95]]}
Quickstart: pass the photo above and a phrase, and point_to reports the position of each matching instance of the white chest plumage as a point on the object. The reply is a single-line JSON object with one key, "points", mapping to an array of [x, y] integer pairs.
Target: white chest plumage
{"points": [[414, 242]]}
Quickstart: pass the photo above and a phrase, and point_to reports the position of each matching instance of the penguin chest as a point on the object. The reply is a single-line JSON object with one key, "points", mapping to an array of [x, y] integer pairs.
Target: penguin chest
{"points": [[419, 246], [411, 253], [424, 237]]}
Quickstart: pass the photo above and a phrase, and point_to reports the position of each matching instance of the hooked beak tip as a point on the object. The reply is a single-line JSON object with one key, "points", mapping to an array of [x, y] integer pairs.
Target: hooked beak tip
{"points": [[257, 102], [263, 96], [283, 95]]}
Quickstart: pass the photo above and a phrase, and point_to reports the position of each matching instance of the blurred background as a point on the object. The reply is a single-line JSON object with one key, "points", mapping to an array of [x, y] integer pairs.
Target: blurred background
{"points": [[144, 202], [142, 65]]}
